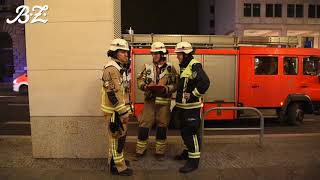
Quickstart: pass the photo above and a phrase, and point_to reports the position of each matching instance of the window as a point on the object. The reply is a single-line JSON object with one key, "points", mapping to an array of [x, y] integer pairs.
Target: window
{"points": [[256, 10], [308, 42], [273, 10], [311, 66], [295, 10], [251, 10], [312, 11], [266, 65], [247, 10], [299, 10], [269, 10], [290, 66], [290, 10], [278, 10], [2, 2]]}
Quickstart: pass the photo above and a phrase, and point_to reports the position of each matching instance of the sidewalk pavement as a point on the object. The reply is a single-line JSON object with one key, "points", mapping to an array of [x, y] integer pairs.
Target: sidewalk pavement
{"points": [[223, 158]]}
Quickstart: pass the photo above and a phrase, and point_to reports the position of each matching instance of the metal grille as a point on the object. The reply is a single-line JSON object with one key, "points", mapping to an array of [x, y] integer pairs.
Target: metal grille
{"points": [[117, 18]]}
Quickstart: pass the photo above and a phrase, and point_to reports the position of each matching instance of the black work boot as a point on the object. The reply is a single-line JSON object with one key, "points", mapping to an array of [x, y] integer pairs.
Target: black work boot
{"points": [[139, 156], [113, 167], [182, 156], [127, 172], [191, 165], [127, 163]]}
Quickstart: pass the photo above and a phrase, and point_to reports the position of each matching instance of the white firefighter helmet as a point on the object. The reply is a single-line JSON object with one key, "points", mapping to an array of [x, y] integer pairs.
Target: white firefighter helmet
{"points": [[158, 47], [183, 47], [119, 44]]}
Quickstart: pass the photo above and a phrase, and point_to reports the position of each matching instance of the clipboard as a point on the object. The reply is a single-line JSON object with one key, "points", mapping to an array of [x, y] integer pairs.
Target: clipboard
{"points": [[156, 88]]}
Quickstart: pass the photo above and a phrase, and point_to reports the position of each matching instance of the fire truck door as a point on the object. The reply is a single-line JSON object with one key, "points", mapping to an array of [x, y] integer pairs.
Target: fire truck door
{"points": [[309, 82], [265, 83], [289, 75], [221, 70]]}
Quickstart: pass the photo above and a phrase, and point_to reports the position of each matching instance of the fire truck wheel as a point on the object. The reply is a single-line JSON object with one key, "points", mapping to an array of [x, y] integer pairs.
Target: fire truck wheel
{"points": [[23, 90], [295, 114]]}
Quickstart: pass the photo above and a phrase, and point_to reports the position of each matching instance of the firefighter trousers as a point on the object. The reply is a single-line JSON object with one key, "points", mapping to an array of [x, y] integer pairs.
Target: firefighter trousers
{"points": [[190, 125], [116, 146], [153, 113]]}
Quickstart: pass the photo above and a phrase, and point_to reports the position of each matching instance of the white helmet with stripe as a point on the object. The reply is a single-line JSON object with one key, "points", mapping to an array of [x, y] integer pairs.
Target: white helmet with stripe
{"points": [[158, 47], [119, 44], [183, 47]]}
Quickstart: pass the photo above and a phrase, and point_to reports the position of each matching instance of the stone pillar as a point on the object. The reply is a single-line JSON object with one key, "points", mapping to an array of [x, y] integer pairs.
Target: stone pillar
{"points": [[65, 58]]}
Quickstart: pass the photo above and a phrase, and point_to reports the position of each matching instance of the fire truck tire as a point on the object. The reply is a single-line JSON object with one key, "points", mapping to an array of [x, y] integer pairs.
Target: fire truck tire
{"points": [[23, 89], [295, 114]]}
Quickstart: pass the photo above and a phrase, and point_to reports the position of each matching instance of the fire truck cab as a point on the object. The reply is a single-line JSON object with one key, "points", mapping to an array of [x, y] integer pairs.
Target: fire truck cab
{"points": [[285, 80]]}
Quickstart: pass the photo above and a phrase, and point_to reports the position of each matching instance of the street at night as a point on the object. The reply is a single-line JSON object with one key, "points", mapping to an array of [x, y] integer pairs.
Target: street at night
{"points": [[14, 112], [183, 89], [15, 120]]}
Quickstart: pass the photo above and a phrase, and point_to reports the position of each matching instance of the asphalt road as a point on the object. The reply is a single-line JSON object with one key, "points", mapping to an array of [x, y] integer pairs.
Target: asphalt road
{"points": [[15, 120], [14, 112]]}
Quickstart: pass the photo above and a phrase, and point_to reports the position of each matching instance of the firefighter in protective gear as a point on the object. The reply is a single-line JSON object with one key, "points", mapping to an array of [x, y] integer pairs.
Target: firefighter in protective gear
{"points": [[115, 105], [193, 83], [157, 102]]}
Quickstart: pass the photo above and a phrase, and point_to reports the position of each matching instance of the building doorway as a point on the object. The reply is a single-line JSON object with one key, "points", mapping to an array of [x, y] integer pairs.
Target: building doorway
{"points": [[6, 58]]}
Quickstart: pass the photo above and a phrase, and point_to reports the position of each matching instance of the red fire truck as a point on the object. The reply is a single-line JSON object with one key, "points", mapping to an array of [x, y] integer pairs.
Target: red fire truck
{"points": [[284, 79]]}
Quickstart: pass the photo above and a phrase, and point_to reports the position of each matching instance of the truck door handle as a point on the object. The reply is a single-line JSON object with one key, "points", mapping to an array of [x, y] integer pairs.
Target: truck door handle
{"points": [[255, 86], [304, 86]]}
